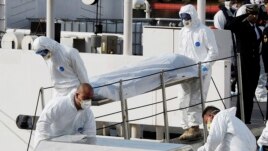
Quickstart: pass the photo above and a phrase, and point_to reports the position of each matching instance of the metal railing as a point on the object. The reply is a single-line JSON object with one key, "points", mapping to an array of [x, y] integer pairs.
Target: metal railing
{"points": [[163, 86]]}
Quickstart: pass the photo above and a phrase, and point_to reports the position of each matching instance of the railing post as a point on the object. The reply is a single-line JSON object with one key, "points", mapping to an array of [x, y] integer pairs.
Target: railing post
{"points": [[240, 87], [164, 107], [202, 98], [42, 97], [124, 111]]}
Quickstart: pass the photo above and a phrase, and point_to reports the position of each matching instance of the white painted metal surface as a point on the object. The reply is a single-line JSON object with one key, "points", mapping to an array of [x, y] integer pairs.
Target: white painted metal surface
{"points": [[22, 74], [157, 40], [112, 144], [165, 39], [27, 42], [11, 40], [22, 31]]}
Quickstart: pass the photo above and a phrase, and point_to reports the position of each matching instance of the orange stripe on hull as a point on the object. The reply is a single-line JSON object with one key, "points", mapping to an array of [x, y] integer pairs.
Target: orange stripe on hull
{"points": [[173, 7]]}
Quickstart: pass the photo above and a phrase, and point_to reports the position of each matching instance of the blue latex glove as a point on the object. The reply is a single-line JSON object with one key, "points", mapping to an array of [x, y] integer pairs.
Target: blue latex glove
{"points": [[204, 69], [260, 149]]}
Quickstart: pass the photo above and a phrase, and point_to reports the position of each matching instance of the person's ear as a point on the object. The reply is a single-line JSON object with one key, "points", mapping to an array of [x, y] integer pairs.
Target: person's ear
{"points": [[76, 95]]}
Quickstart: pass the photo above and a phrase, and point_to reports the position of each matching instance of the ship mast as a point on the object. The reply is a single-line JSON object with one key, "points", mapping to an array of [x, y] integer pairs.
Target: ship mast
{"points": [[127, 45], [201, 10], [50, 30]]}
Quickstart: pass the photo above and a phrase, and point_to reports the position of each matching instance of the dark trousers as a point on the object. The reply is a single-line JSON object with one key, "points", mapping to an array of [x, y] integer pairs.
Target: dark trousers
{"points": [[250, 77]]}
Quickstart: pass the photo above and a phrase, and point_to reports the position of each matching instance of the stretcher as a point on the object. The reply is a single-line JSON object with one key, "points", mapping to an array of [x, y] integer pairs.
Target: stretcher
{"points": [[144, 76]]}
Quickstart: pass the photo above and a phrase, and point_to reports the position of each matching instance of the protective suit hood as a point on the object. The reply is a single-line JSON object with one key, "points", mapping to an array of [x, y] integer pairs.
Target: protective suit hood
{"points": [[46, 43], [190, 9]]}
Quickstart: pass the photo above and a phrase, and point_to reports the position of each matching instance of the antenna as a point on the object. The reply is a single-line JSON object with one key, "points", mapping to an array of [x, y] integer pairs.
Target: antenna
{"points": [[98, 26], [95, 39]]}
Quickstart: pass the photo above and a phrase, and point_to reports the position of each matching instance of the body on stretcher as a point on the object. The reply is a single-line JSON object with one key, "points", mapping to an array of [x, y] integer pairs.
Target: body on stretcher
{"points": [[144, 76]]}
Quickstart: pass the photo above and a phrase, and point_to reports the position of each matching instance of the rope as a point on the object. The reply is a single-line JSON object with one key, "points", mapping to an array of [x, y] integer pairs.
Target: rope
{"points": [[218, 92], [34, 118], [259, 108]]}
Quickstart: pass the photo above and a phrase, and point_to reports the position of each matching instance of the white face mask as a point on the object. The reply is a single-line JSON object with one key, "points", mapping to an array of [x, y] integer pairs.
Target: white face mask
{"points": [[227, 4], [208, 125], [187, 23], [85, 104], [48, 56]]}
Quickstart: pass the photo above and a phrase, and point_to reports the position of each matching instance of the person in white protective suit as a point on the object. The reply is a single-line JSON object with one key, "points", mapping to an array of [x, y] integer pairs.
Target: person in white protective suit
{"points": [[68, 115], [66, 66], [263, 139], [226, 131], [198, 43]]}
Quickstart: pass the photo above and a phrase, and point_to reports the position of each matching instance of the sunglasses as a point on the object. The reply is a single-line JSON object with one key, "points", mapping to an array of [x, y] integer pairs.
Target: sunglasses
{"points": [[185, 16], [42, 52]]}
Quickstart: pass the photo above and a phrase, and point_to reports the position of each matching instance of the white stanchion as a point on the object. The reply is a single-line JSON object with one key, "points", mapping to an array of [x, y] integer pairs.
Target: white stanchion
{"points": [[27, 42], [12, 40]]}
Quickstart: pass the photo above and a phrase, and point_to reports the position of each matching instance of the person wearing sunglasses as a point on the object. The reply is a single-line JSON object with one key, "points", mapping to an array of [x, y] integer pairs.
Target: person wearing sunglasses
{"points": [[66, 67], [198, 43]]}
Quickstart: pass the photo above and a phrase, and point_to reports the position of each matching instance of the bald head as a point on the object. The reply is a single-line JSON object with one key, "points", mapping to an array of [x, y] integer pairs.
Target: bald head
{"points": [[85, 90]]}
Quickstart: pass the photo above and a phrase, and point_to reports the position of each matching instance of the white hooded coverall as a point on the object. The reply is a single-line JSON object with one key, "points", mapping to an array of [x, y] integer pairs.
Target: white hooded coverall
{"points": [[228, 133], [198, 43], [60, 117], [263, 139], [66, 66]]}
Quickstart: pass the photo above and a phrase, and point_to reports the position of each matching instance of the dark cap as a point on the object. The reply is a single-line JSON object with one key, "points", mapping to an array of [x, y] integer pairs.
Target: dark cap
{"points": [[252, 9]]}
